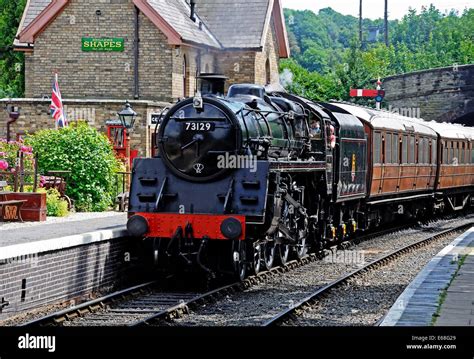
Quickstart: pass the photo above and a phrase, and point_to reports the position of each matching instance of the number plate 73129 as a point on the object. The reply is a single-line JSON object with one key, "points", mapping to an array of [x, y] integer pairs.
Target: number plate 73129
{"points": [[199, 126]]}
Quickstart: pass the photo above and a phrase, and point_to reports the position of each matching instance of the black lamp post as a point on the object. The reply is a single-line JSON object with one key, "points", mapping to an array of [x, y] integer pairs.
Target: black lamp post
{"points": [[127, 117]]}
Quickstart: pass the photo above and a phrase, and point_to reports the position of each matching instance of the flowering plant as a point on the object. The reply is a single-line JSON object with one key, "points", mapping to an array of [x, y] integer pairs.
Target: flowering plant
{"points": [[9, 155]]}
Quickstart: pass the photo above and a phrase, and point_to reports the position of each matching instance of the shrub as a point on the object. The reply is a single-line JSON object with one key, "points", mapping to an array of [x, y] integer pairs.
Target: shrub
{"points": [[57, 207], [89, 156]]}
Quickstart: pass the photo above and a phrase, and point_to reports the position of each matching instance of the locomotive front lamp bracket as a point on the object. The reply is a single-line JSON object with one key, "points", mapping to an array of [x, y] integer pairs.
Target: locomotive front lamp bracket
{"points": [[198, 102]]}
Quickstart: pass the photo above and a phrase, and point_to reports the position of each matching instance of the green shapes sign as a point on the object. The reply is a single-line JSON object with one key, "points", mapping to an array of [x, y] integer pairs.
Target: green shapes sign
{"points": [[103, 45]]}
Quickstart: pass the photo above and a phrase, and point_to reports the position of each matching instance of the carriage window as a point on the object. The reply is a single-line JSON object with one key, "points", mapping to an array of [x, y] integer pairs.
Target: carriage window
{"points": [[377, 142], [462, 152], [395, 148], [434, 148], [451, 153], [455, 158], [411, 150], [405, 149], [472, 155], [445, 152], [422, 155], [426, 151], [388, 148]]}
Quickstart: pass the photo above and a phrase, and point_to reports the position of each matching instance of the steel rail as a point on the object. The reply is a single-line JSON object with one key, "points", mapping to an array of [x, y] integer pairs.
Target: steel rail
{"points": [[293, 312]]}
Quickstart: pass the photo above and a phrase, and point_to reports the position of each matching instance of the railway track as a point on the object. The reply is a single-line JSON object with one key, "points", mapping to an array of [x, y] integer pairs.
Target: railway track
{"points": [[147, 304], [290, 315]]}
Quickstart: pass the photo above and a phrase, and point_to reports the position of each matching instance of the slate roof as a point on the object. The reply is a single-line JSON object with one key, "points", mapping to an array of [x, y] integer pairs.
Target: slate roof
{"points": [[34, 9], [236, 24], [229, 24], [177, 14]]}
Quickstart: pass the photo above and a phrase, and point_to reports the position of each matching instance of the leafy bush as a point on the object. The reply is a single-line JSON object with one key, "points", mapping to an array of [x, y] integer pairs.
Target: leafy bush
{"points": [[57, 207], [89, 156]]}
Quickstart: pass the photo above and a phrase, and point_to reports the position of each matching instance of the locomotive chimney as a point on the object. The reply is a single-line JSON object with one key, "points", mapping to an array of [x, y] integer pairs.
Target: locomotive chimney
{"points": [[193, 10]]}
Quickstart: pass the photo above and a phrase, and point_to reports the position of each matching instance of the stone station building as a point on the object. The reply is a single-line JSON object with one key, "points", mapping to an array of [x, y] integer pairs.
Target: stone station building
{"points": [[147, 51]]}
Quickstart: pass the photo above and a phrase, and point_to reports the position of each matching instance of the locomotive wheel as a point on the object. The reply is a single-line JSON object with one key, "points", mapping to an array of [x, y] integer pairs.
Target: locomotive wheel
{"points": [[301, 249], [269, 254], [239, 257], [257, 258], [283, 252]]}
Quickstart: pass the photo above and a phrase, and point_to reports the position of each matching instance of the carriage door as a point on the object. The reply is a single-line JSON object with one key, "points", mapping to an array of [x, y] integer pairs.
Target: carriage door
{"points": [[330, 137]]}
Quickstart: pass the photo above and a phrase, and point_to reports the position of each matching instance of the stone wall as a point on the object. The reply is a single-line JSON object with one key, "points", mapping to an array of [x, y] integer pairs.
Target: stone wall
{"points": [[443, 94], [35, 115]]}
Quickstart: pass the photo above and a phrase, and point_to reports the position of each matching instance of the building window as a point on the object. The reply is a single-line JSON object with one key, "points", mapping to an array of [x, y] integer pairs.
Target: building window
{"points": [[185, 77], [268, 73]]}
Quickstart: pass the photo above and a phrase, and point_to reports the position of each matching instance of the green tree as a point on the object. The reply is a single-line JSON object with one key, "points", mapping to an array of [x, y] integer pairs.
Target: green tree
{"points": [[11, 63], [328, 49]]}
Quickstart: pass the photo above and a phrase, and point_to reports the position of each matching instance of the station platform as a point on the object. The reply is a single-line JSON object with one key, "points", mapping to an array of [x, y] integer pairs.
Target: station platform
{"points": [[62, 259], [442, 294], [20, 239]]}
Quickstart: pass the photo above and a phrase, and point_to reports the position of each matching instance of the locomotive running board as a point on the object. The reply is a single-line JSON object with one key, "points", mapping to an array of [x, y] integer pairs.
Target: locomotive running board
{"points": [[402, 199]]}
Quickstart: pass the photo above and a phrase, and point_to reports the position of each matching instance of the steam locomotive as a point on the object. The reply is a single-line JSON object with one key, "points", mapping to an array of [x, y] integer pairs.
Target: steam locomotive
{"points": [[258, 177]]}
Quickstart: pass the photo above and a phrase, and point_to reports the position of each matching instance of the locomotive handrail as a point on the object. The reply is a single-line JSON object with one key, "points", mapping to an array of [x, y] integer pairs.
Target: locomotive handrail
{"points": [[245, 125]]}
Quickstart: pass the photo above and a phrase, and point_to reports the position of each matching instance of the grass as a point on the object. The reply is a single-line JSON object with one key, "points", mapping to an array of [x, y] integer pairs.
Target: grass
{"points": [[444, 293]]}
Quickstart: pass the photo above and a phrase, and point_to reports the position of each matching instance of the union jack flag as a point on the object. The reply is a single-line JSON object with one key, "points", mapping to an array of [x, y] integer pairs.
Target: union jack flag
{"points": [[57, 109]]}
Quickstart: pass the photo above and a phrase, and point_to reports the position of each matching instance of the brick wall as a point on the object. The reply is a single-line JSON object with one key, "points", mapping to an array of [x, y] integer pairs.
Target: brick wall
{"points": [[85, 74], [271, 53], [238, 66], [35, 115], [43, 279], [99, 74], [155, 61]]}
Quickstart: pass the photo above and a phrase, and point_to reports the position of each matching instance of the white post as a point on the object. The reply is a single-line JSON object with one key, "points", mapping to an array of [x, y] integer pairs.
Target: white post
{"points": [[379, 87]]}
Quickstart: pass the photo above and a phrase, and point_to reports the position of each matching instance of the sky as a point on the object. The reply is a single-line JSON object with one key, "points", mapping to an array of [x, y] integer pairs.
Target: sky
{"points": [[374, 9]]}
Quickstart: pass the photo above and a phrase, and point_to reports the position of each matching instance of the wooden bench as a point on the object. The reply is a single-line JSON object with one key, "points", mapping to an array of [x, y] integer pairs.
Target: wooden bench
{"points": [[9, 210]]}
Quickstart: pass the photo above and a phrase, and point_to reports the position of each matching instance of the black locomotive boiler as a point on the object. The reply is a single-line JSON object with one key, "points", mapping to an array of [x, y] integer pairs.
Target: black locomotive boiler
{"points": [[249, 180]]}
